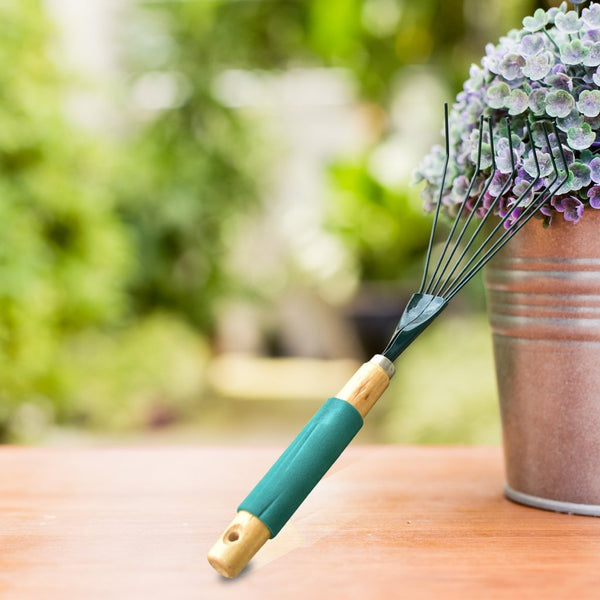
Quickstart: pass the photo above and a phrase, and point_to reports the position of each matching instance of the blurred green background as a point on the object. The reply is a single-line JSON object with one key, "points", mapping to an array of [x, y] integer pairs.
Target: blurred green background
{"points": [[206, 218]]}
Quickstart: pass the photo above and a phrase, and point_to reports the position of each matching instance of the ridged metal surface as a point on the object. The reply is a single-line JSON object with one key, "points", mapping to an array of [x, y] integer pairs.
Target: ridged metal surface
{"points": [[544, 309]]}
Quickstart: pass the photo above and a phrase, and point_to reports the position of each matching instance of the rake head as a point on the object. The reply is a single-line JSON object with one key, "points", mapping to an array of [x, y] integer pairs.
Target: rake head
{"points": [[481, 227]]}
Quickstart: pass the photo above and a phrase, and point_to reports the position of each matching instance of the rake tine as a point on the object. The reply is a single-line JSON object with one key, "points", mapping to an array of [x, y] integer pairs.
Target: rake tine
{"points": [[473, 178], [439, 200], [489, 211], [524, 218]]}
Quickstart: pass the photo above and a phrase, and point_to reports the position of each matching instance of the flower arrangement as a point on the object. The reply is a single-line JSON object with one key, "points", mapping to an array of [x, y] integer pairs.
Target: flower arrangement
{"points": [[549, 69]]}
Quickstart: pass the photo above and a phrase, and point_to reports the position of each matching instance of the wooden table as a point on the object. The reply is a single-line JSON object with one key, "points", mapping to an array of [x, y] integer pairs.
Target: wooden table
{"points": [[387, 522]]}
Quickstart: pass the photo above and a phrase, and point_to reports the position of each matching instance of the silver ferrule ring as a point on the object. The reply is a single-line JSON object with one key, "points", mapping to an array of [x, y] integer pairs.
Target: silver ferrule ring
{"points": [[385, 363]]}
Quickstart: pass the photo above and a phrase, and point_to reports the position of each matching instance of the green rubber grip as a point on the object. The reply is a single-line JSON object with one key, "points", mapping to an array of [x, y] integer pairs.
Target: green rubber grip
{"points": [[289, 481]]}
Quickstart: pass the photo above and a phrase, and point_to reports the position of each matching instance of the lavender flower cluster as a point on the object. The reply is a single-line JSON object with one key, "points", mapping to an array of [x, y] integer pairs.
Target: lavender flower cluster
{"points": [[548, 70]]}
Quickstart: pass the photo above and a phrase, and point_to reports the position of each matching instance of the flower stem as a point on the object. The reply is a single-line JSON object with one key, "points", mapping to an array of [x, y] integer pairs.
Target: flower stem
{"points": [[552, 40]]}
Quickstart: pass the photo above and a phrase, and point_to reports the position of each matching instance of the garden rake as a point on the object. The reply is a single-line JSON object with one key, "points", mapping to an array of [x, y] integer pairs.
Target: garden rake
{"points": [[479, 230]]}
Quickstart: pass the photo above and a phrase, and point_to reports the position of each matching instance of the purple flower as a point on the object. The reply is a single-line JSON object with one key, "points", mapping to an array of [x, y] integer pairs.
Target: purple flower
{"points": [[593, 35], [497, 94], [460, 187], [537, 22], [538, 66], [573, 53], [595, 169], [589, 103], [593, 57], [571, 207], [497, 184], [594, 196], [580, 138], [559, 103], [537, 102], [581, 175], [560, 81], [547, 211], [544, 161], [514, 215], [532, 44], [573, 119], [591, 16], [511, 66], [550, 68], [568, 22]]}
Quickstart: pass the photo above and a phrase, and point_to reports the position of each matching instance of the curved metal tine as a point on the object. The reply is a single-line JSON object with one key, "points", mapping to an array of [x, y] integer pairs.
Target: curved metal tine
{"points": [[505, 235], [490, 210], [477, 169], [439, 200], [548, 193], [562, 155], [457, 284], [444, 261], [468, 220], [502, 241]]}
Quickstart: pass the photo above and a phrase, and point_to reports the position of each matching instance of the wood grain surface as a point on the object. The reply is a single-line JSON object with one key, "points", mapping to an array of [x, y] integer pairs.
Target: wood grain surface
{"points": [[387, 522]]}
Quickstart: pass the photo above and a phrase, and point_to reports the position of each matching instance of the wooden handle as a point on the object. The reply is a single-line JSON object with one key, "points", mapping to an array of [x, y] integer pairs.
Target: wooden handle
{"points": [[367, 385], [244, 537], [247, 533]]}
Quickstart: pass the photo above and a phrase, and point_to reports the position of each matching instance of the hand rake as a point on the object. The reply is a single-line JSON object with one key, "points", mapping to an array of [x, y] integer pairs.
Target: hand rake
{"points": [[475, 236]]}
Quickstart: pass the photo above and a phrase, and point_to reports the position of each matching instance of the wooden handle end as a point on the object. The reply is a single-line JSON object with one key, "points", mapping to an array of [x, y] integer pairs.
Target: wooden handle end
{"points": [[367, 384], [244, 537]]}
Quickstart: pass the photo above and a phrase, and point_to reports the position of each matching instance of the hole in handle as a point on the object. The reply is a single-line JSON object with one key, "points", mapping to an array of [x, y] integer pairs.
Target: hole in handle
{"points": [[232, 536]]}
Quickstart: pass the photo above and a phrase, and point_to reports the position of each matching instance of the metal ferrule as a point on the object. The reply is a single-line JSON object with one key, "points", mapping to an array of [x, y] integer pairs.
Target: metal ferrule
{"points": [[385, 363]]}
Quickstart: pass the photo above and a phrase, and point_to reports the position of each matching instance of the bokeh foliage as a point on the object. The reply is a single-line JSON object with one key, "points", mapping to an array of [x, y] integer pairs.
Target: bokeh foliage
{"points": [[63, 251], [111, 251], [384, 227], [191, 172], [204, 155]]}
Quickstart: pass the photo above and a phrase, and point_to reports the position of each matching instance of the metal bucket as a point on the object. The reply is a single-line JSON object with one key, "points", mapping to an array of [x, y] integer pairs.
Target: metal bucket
{"points": [[543, 295]]}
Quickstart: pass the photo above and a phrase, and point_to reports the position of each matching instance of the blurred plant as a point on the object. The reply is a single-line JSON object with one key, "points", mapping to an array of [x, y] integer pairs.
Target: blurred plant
{"points": [[457, 398], [550, 69], [384, 229], [63, 252], [376, 39], [192, 175], [381, 224], [105, 249], [196, 162], [144, 376]]}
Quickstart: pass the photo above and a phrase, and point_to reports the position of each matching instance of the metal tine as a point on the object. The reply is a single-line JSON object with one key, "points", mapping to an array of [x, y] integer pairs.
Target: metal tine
{"points": [[438, 206], [439, 200], [524, 218], [485, 218], [462, 279], [432, 280], [533, 208], [468, 220], [492, 207], [477, 170]]}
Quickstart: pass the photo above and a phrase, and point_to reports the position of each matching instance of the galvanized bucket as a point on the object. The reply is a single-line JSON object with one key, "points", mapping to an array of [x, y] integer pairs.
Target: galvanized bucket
{"points": [[543, 294]]}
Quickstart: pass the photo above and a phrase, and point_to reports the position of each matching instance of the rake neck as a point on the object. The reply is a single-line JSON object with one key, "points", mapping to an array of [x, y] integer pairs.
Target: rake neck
{"points": [[420, 311]]}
